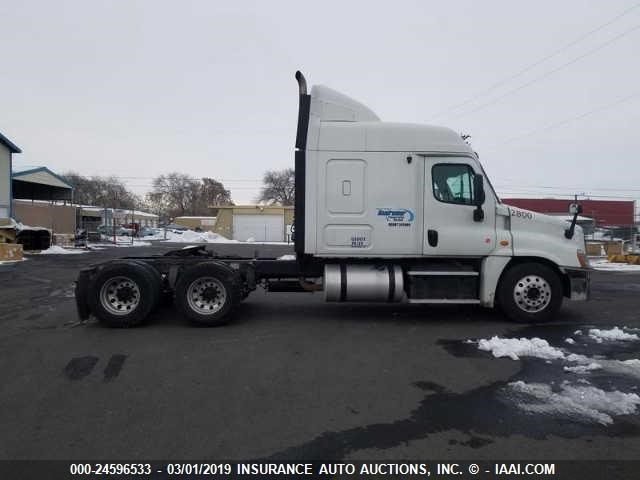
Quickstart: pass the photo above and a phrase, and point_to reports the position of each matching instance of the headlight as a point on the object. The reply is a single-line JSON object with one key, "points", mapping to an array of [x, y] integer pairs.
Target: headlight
{"points": [[583, 260]]}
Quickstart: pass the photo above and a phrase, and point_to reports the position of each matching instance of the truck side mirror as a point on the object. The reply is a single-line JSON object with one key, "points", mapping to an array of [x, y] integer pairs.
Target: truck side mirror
{"points": [[478, 197], [575, 209]]}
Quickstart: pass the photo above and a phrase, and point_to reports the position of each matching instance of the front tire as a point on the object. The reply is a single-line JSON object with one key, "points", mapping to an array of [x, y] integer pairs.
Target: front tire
{"points": [[207, 294], [530, 293]]}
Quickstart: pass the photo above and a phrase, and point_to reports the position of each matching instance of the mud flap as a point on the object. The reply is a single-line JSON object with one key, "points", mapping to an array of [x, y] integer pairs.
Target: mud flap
{"points": [[579, 284], [81, 289]]}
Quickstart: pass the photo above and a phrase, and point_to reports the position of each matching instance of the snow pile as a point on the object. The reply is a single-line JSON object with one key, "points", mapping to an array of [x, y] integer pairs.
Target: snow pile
{"points": [[10, 262], [190, 236], [629, 368], [520, 347], [577, 402], [57, 250], [612, 335], [583, 368], [570, 341], [136, 243], [604, 264], [121, 241], [515, 348]]}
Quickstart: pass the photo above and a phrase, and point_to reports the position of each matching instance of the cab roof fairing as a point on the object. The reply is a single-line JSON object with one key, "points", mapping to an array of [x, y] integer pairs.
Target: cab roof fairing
{"points": [[340, 123]]}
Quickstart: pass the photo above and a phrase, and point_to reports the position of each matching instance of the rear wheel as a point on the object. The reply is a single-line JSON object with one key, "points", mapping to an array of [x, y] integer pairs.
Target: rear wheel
{"points": [[530, 293], [207, 294], [122, 294]]}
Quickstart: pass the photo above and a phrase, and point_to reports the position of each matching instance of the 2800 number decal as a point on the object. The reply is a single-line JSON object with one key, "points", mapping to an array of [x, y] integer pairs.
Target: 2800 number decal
{"points": [[521, 214]]}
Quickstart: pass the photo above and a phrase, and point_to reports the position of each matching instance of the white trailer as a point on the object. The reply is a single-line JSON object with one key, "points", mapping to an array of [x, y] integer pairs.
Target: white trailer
{"points": [[384, 212]]}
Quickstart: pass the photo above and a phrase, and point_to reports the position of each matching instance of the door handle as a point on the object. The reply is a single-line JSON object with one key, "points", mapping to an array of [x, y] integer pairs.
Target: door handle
{"points": [[432, 237]]}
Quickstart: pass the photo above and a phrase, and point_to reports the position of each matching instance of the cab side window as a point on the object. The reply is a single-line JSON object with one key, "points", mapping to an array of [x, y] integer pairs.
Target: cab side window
{"points": [[453, 183]]}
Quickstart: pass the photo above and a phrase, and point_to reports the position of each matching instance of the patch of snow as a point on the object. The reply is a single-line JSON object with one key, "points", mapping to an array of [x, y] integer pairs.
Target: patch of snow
{"points": [[190, 236], [570, 341], [614, 334], [286, 257], [576, 357], [9, 262], [582, 403], [140, 243], [578, 332], [515, 348], [583, 368], [622, 367], [520, 347], [58, 250], [634, 362], [123, 241]]}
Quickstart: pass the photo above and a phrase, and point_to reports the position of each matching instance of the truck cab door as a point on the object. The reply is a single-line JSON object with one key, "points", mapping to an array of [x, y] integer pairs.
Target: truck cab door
{"points": [[451, 229]]}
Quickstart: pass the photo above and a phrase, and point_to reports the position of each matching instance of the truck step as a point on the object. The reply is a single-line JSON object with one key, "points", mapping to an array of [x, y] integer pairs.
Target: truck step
{"points": [[468, 301], [450, 273]]}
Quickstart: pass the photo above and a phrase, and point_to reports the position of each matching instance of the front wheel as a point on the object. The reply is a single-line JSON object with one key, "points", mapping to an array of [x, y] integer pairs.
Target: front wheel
{"points": [[530, 293]]}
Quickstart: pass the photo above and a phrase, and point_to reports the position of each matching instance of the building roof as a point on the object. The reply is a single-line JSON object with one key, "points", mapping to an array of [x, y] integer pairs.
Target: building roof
{"points": [[39, 183], [40, 175], [13, 148]]}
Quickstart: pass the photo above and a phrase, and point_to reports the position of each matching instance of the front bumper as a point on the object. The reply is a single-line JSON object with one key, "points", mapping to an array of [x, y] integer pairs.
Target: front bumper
{"points": [[579, 283]]}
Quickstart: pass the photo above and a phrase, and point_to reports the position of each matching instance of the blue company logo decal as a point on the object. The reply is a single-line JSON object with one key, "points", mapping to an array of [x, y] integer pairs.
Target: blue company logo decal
{"points": [[397, 217]]}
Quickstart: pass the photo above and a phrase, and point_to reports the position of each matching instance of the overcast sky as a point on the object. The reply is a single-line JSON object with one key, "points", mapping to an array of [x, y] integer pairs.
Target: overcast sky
{"points": [[140, 88]]}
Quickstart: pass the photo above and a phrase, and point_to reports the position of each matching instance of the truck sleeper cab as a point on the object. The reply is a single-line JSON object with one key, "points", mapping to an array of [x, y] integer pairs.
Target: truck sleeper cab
{"points": [[384, 212]]}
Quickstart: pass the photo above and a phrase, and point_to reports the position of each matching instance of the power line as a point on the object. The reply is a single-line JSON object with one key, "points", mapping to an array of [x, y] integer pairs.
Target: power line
{"points": [[548, 74], [569, 195], [536, 63], [614, 189], [568, 120]]}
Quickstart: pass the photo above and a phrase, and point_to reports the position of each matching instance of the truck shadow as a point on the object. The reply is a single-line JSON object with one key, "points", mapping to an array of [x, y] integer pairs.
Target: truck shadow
{"points": [[257, 312]]}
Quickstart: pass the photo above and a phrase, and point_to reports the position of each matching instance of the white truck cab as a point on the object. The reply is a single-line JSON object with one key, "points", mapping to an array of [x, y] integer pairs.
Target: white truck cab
{"points": [[384, 212], [415, 199]]}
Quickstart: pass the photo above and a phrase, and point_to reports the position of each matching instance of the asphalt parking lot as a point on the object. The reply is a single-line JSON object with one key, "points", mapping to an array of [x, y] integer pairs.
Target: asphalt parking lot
{"points": [[291, 377]]}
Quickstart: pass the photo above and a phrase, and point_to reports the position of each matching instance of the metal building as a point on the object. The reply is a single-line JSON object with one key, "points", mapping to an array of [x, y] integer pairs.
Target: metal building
{"points": [[7, 149], [257, 223]]}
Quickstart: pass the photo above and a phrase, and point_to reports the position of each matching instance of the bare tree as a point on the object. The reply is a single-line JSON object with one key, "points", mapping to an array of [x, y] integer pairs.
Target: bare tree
{"points": [[177, 194], [279, 187], [101, 191], [213, 193]]}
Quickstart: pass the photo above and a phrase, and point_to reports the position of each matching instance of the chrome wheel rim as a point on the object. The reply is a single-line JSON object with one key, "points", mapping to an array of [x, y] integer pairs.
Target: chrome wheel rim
{"points": [[120, 296], [206, 295], [532, 294]]}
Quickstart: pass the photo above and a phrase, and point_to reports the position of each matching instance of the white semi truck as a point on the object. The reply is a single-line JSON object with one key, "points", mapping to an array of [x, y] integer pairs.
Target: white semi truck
{"points": [[384, 212]]}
